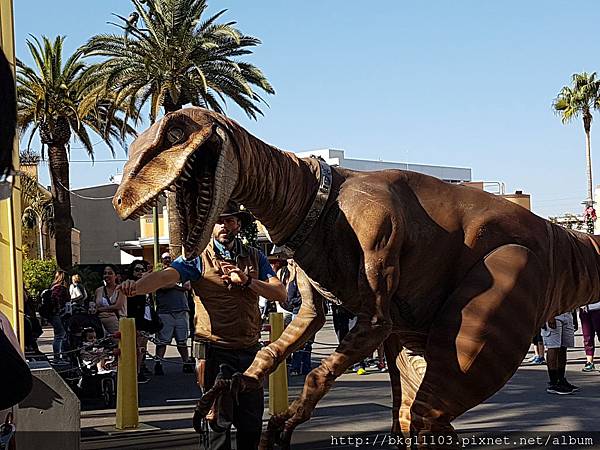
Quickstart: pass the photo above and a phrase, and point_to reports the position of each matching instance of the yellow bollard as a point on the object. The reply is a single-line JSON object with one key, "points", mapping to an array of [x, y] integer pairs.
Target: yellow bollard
{"points": [[278, 382], [127, 388]]}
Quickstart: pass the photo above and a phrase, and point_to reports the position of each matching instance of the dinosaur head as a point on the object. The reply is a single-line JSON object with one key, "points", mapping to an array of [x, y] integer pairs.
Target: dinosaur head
{"points": [[190, 152]]}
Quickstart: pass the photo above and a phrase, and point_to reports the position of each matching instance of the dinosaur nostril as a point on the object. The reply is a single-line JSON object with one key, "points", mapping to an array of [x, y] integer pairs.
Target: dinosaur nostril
{"points": [[119, 201]]}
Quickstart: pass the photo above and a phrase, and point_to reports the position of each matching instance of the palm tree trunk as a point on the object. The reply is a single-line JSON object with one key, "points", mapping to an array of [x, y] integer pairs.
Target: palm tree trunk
{"points": [[40, 238], [61, 200], [588, 161], [174, 227]]}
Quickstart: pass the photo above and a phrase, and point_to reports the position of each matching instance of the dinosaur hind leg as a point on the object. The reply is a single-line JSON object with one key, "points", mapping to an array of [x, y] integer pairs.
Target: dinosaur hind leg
{"points": [[361, 342], [406, 369], [392, 348], [479, 338]]}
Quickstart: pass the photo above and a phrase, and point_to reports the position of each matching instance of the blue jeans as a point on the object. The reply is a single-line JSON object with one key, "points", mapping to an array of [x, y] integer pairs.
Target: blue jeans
{"points": [[60, 335], [301, 362]]}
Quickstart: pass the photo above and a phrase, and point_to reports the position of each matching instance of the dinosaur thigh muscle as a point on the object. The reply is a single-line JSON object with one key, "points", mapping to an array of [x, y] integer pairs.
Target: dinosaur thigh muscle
{"points": [[478, 339]]}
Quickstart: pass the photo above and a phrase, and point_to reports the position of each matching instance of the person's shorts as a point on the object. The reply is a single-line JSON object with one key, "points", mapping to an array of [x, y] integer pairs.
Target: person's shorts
{"points": [[175, 325], [561, 336], [537, 339]]}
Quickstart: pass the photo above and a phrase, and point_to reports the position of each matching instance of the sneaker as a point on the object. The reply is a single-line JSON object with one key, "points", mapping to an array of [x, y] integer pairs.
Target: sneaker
{"points": [[568, 385], [531, 359], [558, 389], [381, 368], [142, 378], [294, 373], [158, 369], [361, 371], [538, 361], [589, 367], [188, 367]]}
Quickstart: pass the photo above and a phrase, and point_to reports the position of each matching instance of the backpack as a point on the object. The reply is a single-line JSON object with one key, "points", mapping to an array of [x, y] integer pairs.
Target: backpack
{"points": [[47, 307]]}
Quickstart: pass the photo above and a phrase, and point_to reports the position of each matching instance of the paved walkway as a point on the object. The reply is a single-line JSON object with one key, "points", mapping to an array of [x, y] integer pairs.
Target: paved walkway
{"points": [[355, 404]]}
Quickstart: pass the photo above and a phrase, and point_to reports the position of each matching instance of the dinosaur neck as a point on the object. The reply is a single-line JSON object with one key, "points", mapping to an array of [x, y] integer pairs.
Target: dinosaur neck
{"points": [[276, 186]]}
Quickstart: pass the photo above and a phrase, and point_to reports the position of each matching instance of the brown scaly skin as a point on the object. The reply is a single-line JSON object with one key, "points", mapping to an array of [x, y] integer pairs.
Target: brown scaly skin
{"points": [[453, 280]]}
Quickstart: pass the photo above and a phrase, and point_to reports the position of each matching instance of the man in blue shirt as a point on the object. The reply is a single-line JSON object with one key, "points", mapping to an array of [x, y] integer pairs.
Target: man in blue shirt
{"points": [[227, 278], [173, 310]]}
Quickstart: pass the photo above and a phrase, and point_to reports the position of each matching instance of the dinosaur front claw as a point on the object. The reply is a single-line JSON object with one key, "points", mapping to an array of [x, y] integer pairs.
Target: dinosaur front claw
{"points": [[243, 383], [206, 402], [226, 381]]}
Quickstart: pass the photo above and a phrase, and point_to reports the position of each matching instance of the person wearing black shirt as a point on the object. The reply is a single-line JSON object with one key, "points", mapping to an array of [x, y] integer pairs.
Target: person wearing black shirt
{"points": [[141, 308]]}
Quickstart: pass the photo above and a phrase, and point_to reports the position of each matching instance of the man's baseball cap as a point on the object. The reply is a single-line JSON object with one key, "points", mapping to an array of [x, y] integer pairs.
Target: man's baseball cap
{"points": [[165, 255]]}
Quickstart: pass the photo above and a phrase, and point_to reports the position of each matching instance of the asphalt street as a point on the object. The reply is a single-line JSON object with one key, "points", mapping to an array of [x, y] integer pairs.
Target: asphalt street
{"points": [[357, 406]]}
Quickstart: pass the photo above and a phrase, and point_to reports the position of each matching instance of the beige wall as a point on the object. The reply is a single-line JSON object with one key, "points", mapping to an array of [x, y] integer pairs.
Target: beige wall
{"points": [[147, 225], [523, 200]]}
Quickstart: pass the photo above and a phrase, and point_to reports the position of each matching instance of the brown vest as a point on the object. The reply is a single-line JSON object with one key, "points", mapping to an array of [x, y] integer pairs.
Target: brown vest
{"points": [[228, 318]]}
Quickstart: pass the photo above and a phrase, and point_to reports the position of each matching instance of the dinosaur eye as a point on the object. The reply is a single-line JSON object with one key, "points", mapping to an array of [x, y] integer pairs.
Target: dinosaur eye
{"points": [[174, 135]]}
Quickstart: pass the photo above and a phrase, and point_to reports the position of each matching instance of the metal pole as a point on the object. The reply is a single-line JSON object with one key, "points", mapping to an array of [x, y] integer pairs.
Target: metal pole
{"points": [[278, 382], [41, 238], [156, 236], [127, 389]]}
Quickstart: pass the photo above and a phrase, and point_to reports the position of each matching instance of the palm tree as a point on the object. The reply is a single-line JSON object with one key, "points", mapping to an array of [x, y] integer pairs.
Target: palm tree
{"points": [[174, 58], [577, 100], [37, 210], [36, 202], [60, 101]]}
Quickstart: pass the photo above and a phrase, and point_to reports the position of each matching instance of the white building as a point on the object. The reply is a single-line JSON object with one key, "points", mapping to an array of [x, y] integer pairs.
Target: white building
{"points": [[336, 158]]}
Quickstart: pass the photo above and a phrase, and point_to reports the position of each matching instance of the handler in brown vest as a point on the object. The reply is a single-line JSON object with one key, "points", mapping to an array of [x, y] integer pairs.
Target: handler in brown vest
{"points": [[227, 279]]}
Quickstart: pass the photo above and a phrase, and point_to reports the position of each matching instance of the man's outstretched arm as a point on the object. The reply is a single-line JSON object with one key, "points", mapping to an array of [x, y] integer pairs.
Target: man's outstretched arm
{"points": [[150, 283]]}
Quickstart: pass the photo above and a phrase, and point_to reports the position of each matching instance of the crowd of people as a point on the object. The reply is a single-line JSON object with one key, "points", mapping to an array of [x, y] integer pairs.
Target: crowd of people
{"points": [[73, 312]]}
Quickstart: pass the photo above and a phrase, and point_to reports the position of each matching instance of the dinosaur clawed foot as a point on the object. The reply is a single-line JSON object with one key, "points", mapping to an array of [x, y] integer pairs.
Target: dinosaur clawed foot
{"points": [[277, 433], [281, 426]]}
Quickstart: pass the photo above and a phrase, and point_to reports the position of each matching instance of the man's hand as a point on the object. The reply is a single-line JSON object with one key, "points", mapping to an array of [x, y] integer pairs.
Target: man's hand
{"points": [[552, 323], [233, 274], [149, 283], [128, 287]]}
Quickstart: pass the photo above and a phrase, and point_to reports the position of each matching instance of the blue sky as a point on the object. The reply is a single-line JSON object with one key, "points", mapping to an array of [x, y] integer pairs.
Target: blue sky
{"points": [[465, 83]]}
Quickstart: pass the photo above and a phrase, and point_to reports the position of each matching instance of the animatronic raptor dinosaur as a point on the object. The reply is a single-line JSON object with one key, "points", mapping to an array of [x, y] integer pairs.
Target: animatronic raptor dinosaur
{"points": [[454, 281]]}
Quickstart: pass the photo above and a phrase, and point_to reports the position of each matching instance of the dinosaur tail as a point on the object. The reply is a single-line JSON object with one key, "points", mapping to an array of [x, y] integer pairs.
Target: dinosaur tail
{"points": [[575, 278]]}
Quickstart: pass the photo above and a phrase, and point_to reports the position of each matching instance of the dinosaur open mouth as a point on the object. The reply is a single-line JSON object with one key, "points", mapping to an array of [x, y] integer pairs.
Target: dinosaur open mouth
{"points": [[199, 179], [196, 194]]}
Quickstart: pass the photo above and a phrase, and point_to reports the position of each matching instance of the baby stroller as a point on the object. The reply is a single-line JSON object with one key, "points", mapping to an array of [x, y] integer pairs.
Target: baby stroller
{"points": [[75, 323], [97, 364]]}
